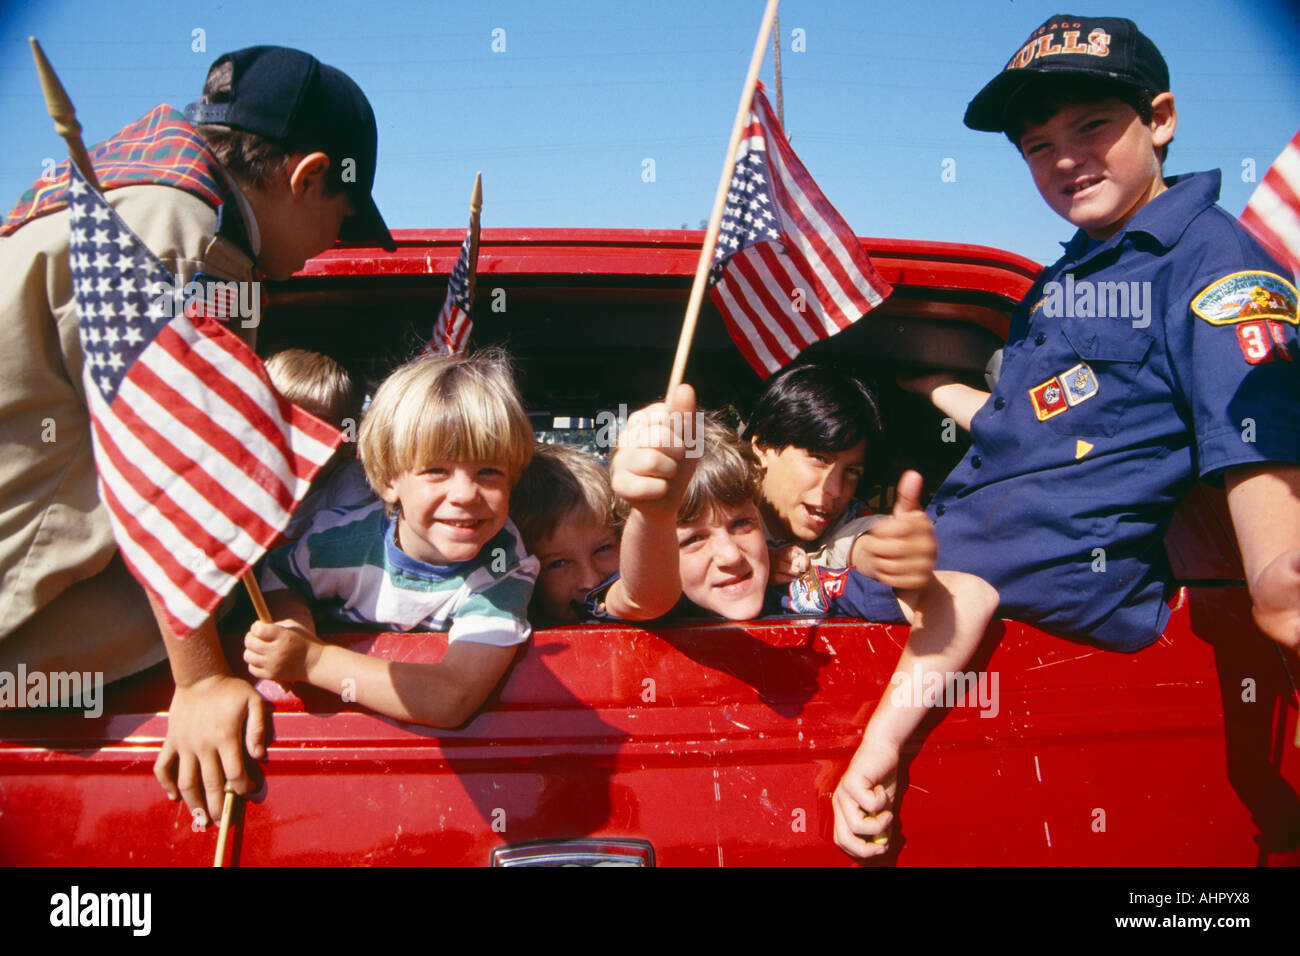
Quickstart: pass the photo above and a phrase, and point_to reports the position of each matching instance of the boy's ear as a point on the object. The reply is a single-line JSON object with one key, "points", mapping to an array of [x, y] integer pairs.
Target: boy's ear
{"points": [[308, 171], [1164, 119], [760, 450], [388, 494]]}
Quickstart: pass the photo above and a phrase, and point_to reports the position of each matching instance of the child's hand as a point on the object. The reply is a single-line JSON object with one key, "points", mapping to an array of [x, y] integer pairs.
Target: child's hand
{"points": [[654, 460], [283, 651], [864, 801], [787, 563], [901, 550], [1276, 599]]}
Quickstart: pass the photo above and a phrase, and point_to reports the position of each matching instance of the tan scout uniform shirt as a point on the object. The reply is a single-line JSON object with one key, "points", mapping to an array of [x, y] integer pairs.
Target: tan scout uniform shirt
{"points": [[53, 530]]}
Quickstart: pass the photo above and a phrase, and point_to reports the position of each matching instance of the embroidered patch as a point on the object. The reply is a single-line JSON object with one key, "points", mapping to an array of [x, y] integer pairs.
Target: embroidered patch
{"points": [[1082, 448], [1080, 384], [1048, 399], [1255, 341], [1247, 295], [806, 595]]}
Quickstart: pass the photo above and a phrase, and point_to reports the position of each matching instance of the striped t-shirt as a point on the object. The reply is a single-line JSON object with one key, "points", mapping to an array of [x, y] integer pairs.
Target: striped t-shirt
{"points": [[350, 565]]}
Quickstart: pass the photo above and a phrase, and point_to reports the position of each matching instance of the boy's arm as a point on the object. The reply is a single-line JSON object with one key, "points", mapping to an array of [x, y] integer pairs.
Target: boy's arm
{"points": [[959, 402], [213, 717], [1265, 504], [446, 694], [650, 471]]}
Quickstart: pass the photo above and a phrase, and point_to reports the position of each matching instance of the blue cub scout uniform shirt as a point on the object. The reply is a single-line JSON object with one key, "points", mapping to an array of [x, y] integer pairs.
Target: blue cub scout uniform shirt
{"points": [[1163, 354]]}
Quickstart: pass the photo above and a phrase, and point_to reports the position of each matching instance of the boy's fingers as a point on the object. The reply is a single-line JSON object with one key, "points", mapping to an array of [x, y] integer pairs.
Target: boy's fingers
{"points": [[683, 399], [255, 735], [907, 498], [162, 770]]}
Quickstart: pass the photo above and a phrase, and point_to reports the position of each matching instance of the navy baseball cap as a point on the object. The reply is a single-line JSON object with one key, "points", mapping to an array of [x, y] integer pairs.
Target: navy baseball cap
{"points": [[292, 98], [1109, 48]]}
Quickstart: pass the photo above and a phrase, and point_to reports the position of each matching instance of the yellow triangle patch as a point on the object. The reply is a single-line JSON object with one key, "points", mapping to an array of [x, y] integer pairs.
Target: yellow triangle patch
{"points": [[1081, 448]]}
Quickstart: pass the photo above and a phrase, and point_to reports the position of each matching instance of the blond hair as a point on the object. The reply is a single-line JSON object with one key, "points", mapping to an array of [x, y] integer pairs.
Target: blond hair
{"points": [[561, 481], [317, 383], [445, 407], [727, 473]]}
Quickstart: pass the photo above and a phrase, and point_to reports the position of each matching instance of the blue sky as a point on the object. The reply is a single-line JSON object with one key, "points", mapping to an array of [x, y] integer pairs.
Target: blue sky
{"points": [[562, 121]]}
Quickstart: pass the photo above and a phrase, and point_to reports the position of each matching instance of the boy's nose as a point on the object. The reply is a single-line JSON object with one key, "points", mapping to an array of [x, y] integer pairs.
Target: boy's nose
{"points": [[726, 551], [833, 483], [462, 486]]}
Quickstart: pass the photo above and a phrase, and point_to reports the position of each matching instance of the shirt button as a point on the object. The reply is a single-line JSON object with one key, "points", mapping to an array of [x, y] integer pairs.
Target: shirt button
{"points": [[999, 403], [1040, 338], [976, 461], [940, 509]]}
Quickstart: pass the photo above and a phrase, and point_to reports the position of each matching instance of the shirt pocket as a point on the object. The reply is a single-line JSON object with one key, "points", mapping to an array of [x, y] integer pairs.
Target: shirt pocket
{"points": [[1104, 361]]}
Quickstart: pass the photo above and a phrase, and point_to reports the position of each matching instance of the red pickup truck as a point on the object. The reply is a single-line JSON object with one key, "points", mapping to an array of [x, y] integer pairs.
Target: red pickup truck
{"points": [[707, 743]]}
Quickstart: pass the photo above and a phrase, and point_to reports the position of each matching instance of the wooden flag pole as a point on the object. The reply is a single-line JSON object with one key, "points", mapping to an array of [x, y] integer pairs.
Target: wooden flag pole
{"points": [[475, 208], [720, 202], [61, 111]]}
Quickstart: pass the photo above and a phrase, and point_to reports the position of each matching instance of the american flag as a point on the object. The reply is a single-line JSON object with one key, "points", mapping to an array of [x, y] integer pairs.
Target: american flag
{"points": [[787, 270], [1273, 213], [200, 460], [451, 331]]}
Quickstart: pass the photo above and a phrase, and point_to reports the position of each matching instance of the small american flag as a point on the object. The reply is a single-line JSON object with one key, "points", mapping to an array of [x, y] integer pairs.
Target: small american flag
{"points": [[200, 460], [787, 270], [451, 331], [1273, 213]]}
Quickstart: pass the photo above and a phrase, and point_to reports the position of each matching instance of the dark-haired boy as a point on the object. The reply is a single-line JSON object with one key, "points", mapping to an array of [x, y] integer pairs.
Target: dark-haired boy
{"points": [[1100, 422], [811, 431], [271, 168]]}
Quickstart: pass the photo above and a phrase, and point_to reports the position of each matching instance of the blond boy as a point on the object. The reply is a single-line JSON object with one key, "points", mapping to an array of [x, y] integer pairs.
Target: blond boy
{"points": [[443, 443]]}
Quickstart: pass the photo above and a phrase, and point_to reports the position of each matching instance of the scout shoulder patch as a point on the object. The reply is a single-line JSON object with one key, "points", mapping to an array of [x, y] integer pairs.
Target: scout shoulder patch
{"points": [[812, 591], [1243, 296]]}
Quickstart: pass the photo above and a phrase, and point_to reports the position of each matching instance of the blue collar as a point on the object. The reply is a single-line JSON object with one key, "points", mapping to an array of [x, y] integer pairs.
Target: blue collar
{"points": [[1164, 218], [399, 559]]}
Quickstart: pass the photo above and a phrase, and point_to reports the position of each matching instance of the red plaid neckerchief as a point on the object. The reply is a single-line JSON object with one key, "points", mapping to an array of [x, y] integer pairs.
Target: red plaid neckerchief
{"points": [[160, 148]]}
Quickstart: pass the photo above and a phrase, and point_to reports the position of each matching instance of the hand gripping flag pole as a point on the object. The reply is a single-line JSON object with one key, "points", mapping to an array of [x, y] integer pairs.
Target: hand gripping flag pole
{"points": [[200, 460], [452, 328], [719, 202]]}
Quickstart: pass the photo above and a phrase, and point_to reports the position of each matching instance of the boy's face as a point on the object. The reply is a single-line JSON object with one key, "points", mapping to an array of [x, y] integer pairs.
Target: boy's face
{"points": [[449, 509], [296, 218], [578, 556], [1096, 164], [804, 492], [723, 561]]}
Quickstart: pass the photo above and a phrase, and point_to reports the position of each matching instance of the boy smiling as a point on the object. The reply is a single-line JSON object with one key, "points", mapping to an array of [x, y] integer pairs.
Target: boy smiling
{"points": [[1098, 425], [444, 441]]}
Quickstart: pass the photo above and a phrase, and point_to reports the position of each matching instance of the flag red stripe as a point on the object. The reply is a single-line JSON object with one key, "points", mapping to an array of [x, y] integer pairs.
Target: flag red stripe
{"points": [[795, 269], [741, 337]]}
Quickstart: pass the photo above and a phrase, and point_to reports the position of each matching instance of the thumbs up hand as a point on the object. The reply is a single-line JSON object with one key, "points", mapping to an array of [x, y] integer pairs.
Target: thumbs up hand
{"points": [[899, 551]]}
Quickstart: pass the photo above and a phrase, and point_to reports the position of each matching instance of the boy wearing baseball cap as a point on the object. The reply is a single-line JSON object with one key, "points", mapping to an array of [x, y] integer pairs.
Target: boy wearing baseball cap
{"points": [[1159, 350], [271, 168]]}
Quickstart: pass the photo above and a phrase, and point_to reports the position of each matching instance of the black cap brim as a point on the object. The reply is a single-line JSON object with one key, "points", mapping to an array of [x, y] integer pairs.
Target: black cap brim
{"points": [[367, 225]]}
